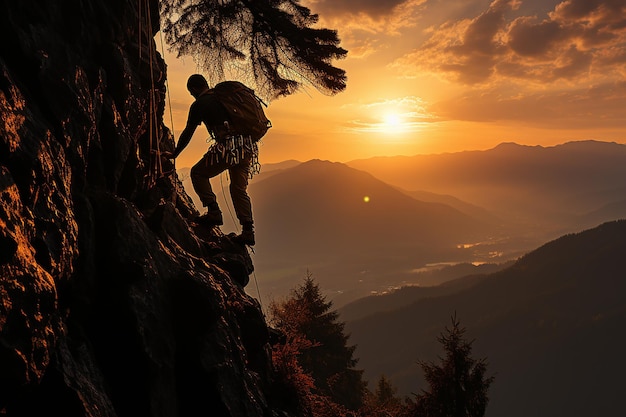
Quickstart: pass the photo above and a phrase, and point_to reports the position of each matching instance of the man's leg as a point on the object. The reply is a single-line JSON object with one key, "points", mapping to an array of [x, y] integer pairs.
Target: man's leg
{"points": [[201, 173], [238, 191], [241, 200]]}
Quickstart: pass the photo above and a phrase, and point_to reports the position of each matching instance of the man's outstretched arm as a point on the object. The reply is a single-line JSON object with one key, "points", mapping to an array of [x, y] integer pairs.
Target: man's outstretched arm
{"points": [[183, 141]]}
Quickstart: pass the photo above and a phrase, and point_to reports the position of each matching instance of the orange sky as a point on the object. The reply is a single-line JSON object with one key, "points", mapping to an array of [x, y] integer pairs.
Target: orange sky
{"points": [[428, 76]]}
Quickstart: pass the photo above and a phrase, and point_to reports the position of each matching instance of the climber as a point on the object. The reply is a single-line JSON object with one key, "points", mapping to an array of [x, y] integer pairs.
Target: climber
{"points": [[237, 154]]}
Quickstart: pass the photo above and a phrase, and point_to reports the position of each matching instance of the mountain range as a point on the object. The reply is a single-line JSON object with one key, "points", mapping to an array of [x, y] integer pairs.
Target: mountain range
{"points": [[425, 211], [551, 327], [351, 229], [548, 185]]}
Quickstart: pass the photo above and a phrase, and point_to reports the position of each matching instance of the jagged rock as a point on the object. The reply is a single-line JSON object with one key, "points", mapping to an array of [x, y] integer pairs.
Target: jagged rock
{"points": [[112, 303]]}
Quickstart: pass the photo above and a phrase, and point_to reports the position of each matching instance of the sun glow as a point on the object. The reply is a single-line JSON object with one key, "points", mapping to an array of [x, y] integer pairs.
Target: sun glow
{"points": [[393, 123], [392, 120]]}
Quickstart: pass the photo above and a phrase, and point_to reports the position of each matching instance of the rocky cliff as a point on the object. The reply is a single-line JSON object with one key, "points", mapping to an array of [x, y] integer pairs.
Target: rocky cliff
{"points": [[112, 303]]}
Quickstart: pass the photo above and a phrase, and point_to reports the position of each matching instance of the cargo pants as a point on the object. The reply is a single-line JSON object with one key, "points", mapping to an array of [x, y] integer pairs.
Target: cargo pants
{"points": [[239, 170]]}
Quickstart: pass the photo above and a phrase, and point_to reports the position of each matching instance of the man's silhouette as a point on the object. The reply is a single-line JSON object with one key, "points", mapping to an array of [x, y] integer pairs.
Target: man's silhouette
{"points": [[233, 153]]}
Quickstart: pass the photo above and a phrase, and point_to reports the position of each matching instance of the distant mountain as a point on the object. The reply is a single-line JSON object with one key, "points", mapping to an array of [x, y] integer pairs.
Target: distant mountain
{"points": [[348, 227], [551, 327], [267, 170], [430, 283], [331, 197], [543, 185], [464, 207], [613, 210], [497, 204], [279, 166]]}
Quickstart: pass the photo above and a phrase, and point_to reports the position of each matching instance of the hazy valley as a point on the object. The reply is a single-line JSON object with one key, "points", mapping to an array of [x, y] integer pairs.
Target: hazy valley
{"points": [[550, 325], [423, 213]]}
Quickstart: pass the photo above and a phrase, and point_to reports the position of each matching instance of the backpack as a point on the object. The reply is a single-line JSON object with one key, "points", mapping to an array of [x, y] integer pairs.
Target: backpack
{"points": [[243, 108]]}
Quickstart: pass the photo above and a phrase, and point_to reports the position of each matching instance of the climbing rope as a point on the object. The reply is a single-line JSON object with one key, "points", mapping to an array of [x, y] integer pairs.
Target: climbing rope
{"points": [[250, 249], [153, 154], [169, 108], [155, 164], [256, 281], [155, 170], [167, 86], [230, 212]]}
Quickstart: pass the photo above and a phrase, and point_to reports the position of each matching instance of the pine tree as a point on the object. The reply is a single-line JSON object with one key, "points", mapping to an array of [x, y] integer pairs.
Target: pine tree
{"points": [[383, 402], [270, 43], [458, 386], [329, 359], [385, 392]]}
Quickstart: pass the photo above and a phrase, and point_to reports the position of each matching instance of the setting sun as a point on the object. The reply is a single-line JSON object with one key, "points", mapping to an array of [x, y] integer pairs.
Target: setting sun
{"points": [[393, 122], [418, 96]]}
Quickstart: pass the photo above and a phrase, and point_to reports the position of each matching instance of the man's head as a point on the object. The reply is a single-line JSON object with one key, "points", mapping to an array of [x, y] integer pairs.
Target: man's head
{"points": [[197, 84]]}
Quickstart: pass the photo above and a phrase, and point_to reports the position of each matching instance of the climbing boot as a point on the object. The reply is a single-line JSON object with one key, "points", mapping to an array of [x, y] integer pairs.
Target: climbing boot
{"points": [[211, 218], [247, 235]]}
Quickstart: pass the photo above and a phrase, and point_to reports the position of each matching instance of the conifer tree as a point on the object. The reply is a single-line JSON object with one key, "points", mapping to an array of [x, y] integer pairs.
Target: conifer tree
{"points": [[270, 43], [329, 359], [458, 385], [383, 402], [385, 392]]}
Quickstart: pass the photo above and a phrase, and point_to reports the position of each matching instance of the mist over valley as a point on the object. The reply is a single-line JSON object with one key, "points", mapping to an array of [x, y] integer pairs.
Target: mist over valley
{"points": [[372, 226]]}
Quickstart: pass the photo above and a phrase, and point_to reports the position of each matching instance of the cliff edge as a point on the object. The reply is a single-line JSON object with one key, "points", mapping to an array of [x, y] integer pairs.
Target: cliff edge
{"points": [[112, 304]]}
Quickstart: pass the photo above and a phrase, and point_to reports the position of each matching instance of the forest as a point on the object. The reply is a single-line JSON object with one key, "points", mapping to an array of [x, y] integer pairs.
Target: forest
{"points": [[315, 364]]}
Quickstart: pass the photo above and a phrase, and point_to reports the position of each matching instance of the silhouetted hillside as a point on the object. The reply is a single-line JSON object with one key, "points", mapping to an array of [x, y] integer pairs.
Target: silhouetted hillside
{"points": [[316, 216], [427, 284], [551, 327], [521, 195], [543, 185], [278, 166], [613, 210], [464, 207], [318, 197]]}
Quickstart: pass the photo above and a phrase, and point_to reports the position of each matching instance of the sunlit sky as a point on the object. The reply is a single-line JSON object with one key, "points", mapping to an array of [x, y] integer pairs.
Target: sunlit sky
{"points": [[434, 76]]}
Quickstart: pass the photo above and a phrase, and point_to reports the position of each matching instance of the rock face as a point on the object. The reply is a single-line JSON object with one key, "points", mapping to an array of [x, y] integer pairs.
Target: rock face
{"points": [[111, 303]]}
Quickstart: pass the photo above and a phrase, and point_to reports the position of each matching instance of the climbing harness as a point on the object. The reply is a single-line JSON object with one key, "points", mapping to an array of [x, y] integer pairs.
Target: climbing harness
{"points": [[232, 150]]}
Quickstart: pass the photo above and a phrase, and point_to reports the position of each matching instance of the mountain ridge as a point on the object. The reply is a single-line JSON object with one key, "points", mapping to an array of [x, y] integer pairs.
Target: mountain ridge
{"points": [[561, 172], [310, 211], [336, 220], [525, 320]]}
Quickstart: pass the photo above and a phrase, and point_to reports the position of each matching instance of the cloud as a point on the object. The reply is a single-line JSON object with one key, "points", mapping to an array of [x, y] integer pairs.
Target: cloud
{"points": [[601, 106], [373, 8], [359, 46], [577, 40], [467, 48], [410, 112], [527, 38], [599, 11], [365, 26], [375, 17]]}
